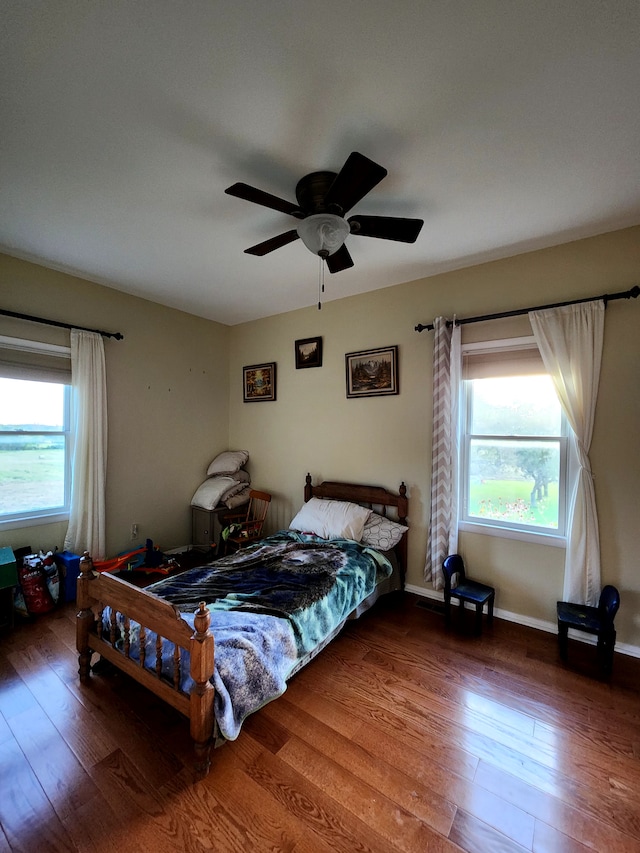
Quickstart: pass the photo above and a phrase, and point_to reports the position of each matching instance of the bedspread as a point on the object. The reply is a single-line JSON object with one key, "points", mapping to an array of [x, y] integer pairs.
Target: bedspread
{"points": [[271, 604]]}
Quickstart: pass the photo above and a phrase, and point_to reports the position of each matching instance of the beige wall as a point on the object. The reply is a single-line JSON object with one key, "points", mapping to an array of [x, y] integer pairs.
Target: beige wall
{"points": [[313, 427], [167, 400]]}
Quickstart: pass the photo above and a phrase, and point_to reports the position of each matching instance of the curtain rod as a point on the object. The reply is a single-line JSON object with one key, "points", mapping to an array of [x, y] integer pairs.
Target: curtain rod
{"points": [[117, 335], [606, 297]]}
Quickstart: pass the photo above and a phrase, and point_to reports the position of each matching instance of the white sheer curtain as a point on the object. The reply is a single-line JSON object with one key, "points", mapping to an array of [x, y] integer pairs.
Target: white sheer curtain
{"points": [[570, 341], [443, 523], [87, 520]]}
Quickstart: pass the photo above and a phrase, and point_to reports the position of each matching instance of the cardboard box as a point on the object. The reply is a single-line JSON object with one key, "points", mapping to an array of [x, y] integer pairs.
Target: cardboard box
{"points": [[69, 567], [8, 570]]}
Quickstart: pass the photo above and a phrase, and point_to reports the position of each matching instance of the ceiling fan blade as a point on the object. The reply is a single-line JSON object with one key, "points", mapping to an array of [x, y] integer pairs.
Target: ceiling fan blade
{"points": [[358, 176], [387, 227], [273, 244], [266, 199], [340, 260]]}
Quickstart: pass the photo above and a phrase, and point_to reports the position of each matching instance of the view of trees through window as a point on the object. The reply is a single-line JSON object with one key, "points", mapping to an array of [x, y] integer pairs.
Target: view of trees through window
{"points": [[514, 443], [32, 446]]}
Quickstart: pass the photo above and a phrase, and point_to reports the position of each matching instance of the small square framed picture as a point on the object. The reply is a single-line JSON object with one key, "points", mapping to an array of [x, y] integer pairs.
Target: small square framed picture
{"points": [[259, 382], [309, 353], [372, 372]]}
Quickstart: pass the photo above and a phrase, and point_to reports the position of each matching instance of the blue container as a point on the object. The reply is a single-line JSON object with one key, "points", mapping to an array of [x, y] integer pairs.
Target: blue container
{"points": [[69, 566]]}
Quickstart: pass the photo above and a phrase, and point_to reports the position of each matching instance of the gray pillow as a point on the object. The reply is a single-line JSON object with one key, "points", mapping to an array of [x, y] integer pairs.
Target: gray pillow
{"points": [[382, 533], [227, 463]]}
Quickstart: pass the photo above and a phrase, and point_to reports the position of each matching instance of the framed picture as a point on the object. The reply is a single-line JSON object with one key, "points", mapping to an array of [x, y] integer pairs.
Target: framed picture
{"points": [[309, 352], [372, 372], [259, 382]]}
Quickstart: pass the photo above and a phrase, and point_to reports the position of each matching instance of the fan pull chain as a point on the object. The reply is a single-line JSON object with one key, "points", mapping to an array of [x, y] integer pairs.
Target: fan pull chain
{"points": [[320, 283]]}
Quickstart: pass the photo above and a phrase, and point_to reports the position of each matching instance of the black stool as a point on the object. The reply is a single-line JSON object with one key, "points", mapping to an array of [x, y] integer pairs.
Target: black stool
{"points": [[592, 620], [475, 593]]}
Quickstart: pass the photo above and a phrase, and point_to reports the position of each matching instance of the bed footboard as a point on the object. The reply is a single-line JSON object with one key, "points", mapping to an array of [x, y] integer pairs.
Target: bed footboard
{"points": [[97, 591]]}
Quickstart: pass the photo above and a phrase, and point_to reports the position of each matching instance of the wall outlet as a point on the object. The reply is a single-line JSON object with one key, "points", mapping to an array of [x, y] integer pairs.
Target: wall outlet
{"points": [[134, 531]]}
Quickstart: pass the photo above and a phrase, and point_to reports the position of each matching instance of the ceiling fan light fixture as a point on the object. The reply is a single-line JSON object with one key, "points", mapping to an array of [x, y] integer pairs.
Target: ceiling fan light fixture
{"points": [[323, 233]]}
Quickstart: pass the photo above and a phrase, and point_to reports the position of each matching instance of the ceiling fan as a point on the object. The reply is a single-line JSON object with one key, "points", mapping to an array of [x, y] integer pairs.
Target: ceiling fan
{"points": [[323, 199]]}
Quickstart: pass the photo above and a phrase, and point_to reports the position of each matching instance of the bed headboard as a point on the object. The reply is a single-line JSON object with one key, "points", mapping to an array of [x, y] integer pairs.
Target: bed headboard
{"points": [[375, 497]]}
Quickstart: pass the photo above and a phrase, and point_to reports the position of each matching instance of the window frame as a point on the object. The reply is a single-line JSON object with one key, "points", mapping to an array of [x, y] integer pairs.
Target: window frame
{"points": [[496, 527], [48, 515]]}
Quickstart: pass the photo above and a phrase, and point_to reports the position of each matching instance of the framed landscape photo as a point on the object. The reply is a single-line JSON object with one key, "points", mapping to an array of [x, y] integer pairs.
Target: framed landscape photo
{"points": [[372, 372], [309, 352], [259, 382]]}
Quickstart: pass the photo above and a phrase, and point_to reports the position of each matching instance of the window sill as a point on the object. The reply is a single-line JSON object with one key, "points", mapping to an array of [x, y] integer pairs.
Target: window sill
{"points": [[551, 539], [33, 521]]}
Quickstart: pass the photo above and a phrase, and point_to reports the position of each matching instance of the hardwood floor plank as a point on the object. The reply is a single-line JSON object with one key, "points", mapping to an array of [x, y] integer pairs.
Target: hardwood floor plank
{"points": [[323, 815], [382, 775], [15, 696], [201, 812], [583, 816], [64, 627], [416, 758], [475, 836], [27, 818], [508, 819], [269, 825], [87, 739], [54, 764], [363, 715], [143, 808], [402, 829], [463, 688], [549, 840], [400, 708], [95, 827]]}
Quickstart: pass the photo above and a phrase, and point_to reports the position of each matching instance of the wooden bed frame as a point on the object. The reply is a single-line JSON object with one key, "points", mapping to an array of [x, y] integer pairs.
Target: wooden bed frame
{"points": [[97, 591]]}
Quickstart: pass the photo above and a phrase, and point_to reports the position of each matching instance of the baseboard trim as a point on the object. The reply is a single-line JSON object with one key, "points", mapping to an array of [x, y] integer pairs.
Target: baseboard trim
{"points": [[528, 621]]}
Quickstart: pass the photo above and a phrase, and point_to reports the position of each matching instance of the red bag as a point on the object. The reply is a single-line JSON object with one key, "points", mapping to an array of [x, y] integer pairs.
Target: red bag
{"points": [[33, 581]]}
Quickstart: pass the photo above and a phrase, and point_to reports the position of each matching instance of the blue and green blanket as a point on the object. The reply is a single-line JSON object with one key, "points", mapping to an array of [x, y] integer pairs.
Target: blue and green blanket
{"points": [[271, 605]]}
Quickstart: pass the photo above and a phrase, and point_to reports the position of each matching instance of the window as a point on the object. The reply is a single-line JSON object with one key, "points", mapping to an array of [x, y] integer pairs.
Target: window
{"points": [[514, 444], [35, 436]]}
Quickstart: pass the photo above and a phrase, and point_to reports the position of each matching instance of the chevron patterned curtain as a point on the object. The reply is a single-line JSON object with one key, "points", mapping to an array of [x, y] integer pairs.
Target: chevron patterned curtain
{"points": [[443, 532]]}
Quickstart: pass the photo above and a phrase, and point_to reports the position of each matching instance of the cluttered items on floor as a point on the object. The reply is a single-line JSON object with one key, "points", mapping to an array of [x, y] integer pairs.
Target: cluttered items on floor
{"points": [[35, 583], [148, 558]]}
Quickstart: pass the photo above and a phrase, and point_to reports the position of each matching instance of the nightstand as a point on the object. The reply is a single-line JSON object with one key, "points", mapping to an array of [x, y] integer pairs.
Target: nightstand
{"points": [[207, 525]]}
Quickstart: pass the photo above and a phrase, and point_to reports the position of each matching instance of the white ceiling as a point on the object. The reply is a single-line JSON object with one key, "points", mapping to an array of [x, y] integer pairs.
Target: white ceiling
{"points": [[507, 125]]}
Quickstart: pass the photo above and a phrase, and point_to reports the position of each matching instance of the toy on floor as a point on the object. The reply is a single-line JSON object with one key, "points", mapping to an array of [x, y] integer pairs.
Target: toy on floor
{"points": [[146, 559]]}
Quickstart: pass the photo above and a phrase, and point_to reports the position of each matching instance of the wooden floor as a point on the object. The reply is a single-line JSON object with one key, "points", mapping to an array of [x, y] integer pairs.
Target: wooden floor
{"points": [[399, 736]]}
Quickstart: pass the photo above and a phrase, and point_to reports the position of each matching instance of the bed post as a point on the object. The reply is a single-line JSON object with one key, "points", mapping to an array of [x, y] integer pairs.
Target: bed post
{"points": [[85, 617], [403, 508], [308, 489], [201, 710]]}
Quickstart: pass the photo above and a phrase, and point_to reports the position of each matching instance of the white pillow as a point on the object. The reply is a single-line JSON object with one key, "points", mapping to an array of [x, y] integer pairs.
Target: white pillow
{"points": [[209, 494], [228, 462], [382, 533], [331, 519]]}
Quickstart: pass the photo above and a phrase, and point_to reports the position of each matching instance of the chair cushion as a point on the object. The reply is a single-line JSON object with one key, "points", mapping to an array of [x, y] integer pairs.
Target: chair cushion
{"points": [[473, 591], [581, 616]]}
